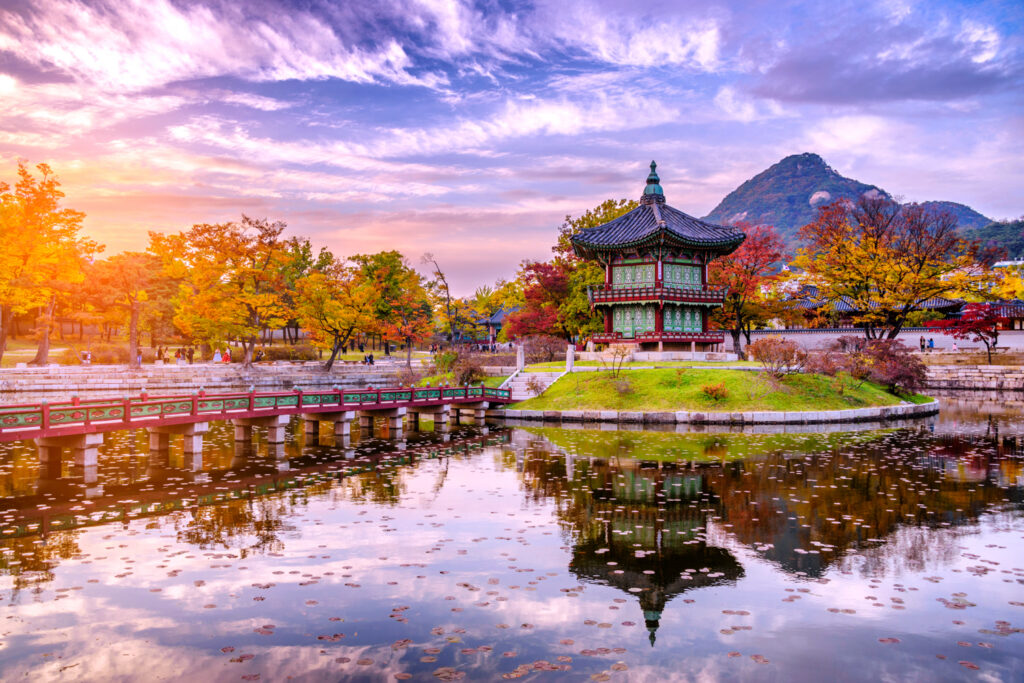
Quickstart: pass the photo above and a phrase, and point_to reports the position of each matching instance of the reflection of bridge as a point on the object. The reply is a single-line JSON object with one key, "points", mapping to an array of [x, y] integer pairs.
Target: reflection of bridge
{"points": [[80, 425], [39, 514]]}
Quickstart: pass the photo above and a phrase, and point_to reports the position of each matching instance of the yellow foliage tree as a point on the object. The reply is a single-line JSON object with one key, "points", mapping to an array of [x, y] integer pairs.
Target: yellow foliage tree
{"points": [[333, 305], [233, 280], [41, 254], [888, 260]]}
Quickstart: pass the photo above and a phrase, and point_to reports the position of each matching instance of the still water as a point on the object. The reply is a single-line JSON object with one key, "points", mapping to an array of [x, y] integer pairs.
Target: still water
{"points": [[525, 552]]}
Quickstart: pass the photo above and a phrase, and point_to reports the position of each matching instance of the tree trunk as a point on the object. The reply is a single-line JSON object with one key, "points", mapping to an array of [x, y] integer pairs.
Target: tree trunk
{"points": [[736, 344], [43, 330], [5, 326], [133, 336], [335, 348], [408, 353], [247, 346]]}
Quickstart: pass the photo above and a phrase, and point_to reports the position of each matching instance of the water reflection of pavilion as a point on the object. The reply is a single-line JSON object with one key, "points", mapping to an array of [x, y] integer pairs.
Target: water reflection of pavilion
{"points": [[801, 506], [636, 526]]}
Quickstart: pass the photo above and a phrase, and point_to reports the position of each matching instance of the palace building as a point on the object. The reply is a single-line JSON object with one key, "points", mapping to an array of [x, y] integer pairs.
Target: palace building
{"points": [[656, 294]]}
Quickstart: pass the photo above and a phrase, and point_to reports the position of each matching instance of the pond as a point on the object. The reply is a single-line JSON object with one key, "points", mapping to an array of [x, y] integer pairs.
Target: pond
{"points": [[525, 552]]}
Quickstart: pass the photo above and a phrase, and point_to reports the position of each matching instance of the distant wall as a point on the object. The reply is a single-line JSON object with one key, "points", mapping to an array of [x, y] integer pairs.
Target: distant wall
{"points": [[810, 339]]}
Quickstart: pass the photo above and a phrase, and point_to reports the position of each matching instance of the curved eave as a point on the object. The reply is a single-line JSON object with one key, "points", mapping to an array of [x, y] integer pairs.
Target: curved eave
{"points": [[663, 237]]}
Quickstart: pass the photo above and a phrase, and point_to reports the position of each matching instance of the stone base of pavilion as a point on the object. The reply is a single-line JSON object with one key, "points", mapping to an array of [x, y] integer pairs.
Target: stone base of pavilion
{"points": [[639, 355]]}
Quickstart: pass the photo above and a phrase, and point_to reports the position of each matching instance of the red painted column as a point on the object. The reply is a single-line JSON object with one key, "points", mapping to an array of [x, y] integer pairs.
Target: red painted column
{"points": [[659, 320], [608, 320], [608, 273]]}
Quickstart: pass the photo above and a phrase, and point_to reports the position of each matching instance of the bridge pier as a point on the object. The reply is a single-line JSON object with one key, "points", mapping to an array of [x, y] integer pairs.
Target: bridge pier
{"points": [[478, 411], [160, 440], [342, 422], [440, 415], [275, 425], [394, 417], [84, 447]]}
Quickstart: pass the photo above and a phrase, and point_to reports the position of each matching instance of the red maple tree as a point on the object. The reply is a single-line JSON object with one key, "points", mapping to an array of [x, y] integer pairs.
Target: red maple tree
{"points": [[977, 323]]}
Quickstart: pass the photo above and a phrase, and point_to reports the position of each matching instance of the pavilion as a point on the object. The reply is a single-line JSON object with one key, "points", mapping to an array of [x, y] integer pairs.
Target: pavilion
{"points": [[656, 295]]}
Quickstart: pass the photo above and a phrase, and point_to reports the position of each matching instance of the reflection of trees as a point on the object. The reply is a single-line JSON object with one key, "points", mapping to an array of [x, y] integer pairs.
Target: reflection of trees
{"points": [[224, 525], [38, 558], [801, 511]]}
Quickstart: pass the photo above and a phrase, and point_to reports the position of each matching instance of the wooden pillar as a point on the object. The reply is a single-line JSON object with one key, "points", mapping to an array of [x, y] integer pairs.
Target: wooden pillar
{"points": [[608, 320]]}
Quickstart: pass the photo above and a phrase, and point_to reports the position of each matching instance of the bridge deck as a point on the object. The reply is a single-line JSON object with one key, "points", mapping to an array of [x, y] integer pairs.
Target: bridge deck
{"points": [[70, 418]]}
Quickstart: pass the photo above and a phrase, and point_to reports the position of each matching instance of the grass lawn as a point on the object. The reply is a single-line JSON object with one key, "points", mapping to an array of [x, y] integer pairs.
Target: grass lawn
{"points": [[24, 350], [560, 365], [681, 389], [435, 380], [672, 447]]}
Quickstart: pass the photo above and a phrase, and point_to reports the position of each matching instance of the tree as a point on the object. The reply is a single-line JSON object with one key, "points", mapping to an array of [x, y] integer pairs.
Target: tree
{"points": [[400, 305], [888, 259], [746, 274], [126, 280], [42, 253], [978, 323], [442, 293], [299, 262], [546, 286], [233, 280], [332, 305]]}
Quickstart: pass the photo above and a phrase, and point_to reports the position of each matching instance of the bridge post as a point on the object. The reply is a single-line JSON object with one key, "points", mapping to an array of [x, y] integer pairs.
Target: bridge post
{"points": [[394, 416], [84, 448], [341, 420], [275, 425], [192, 433]]}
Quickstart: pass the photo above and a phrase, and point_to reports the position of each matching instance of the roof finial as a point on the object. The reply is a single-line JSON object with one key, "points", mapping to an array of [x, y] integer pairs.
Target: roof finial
{"points": [[653, 189]]}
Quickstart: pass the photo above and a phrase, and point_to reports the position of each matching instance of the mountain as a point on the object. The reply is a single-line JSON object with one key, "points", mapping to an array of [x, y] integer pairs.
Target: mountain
{"points": [[788, 193], [967, 218], [1007, 235]]}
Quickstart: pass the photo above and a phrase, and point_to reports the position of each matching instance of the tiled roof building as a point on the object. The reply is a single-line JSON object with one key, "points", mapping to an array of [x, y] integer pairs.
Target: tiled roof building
{"points": [[655, 257]]}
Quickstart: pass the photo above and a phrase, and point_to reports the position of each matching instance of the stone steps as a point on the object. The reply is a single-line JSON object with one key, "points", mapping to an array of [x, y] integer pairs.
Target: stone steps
{"points": [[520, 386]]}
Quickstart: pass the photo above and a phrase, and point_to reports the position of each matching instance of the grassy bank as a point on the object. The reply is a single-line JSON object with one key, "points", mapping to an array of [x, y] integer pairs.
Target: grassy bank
{"points": [[673, 447], [682, 389], [449, 378], [560, 364]]}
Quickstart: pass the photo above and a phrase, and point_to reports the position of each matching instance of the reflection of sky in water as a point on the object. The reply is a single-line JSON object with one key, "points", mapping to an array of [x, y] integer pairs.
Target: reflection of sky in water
{"points": [[777, 546]]}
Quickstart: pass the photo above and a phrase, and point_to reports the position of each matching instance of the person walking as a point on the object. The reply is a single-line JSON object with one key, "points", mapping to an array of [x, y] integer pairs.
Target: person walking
{"points": [[227, 355], [191, 354], [922, 343], [216, 356], [931, 344]]}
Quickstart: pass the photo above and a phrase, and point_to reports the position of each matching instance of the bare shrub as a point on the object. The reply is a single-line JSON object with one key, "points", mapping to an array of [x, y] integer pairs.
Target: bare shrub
{"points": [[760, 385], [543, 348], [624, 387], [467, 370], [778, 357], [535, 386], [619, 356], [883, 361], [408, 377]]}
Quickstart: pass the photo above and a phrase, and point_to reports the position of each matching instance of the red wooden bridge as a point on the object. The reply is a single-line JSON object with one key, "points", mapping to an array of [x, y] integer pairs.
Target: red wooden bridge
{"points": [[79, 417]]}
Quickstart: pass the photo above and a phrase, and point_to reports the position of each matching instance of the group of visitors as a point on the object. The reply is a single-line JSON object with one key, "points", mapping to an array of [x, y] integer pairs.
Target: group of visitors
{"points": [[180, 354], [928, 345]]}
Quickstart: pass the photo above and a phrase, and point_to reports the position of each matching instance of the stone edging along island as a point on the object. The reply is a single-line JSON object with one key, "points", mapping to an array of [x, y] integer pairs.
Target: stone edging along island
{"points": [[876, 414]]}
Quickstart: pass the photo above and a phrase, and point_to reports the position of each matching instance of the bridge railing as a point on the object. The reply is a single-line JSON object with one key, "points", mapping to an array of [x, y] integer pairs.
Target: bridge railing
{"points": [[142, 409]]}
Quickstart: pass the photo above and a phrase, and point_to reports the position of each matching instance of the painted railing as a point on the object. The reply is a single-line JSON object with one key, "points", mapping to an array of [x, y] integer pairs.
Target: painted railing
{"points": [[647, 337], [42, 419], [606, 294]]}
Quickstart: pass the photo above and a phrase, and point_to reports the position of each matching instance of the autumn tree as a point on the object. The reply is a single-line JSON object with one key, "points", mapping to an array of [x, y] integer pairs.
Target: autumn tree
{"points": [[41, 255], [746, 274], [126, 281], [554, 294], [978, 323], [332, 304], [299, 262], [888, 259], [401, 308], [233, 279]]}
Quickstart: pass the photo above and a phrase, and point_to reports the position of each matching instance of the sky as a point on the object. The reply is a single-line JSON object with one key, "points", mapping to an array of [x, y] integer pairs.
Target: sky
{"points": [[471, 129]]}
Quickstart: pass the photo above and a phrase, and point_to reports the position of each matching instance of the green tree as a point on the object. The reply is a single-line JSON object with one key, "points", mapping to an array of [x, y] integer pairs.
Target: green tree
{"points": [[126, 282]]}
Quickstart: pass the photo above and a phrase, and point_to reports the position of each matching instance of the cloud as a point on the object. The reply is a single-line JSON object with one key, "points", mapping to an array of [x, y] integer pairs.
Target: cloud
{"points": [[135, 45], [868, 59]]}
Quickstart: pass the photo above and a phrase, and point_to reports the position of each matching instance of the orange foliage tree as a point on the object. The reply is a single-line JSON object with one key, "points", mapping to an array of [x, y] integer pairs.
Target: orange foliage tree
{"points": [[747, 273], [233, 280]]}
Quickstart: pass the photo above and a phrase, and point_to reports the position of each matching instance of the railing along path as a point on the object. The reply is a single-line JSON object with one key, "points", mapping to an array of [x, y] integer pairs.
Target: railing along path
{"points": [[44, 419]]}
